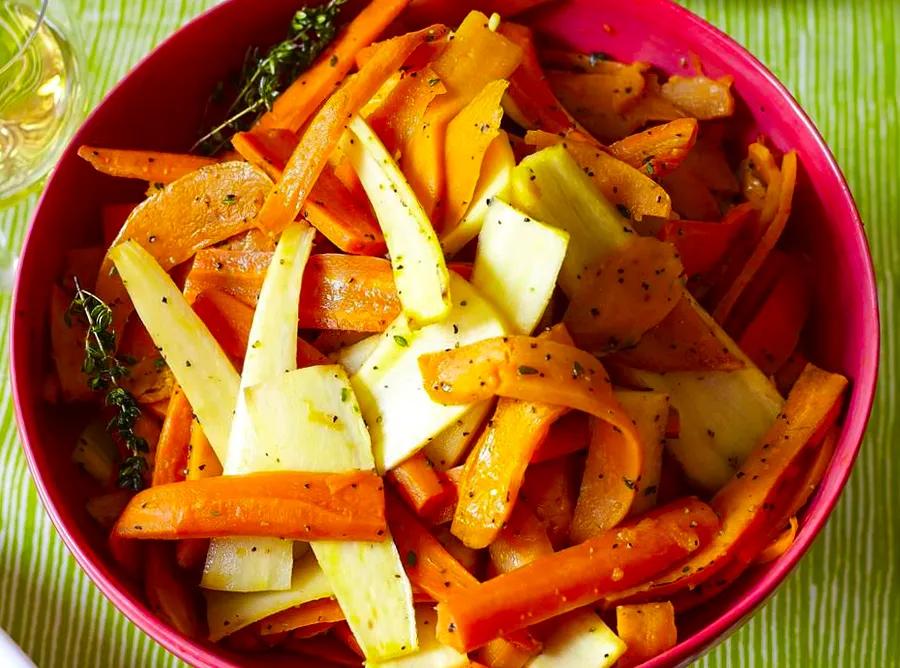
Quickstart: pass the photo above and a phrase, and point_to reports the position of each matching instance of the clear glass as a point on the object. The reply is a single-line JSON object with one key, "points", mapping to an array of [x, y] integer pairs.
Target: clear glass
{"points": [[41, 98]]}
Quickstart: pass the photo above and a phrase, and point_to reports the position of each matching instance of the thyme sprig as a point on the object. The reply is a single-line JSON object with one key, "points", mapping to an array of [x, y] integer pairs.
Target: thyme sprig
{"points": [[263, 77], [104, 371]]}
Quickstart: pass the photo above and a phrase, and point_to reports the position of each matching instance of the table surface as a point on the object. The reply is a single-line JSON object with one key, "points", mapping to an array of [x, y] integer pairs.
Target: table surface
{"points": [[840, 607]]}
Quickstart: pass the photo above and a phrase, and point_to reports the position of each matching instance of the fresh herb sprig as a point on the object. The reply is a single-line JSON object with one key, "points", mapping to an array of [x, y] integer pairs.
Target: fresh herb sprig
{"points": [[263, 77], [104, 371]]}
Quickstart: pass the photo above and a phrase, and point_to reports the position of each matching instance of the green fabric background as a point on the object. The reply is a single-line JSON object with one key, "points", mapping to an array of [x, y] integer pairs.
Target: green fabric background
{"points": [[841, 607]]}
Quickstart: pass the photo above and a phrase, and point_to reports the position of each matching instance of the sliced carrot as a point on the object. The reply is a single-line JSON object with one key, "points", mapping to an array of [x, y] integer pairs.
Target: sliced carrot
{"points": [[400, 115], [146, 165], [633, 192], [701, 245], [522, 540], [202, 462], [475, 57], [297, 103], [269, 149], [699, 96], [172, 448], [660, 149], [577, 576], [321, 136], [648, 629], [769, 275], [345, 292], [780, 545], [419, 485], [495, 467], [626, 294], [755, 501], [227, 318], [550, 489], [468, 136], [768, 240], [450, 478], [303, 506], [171, 597], [323, 611], [567, 435]]}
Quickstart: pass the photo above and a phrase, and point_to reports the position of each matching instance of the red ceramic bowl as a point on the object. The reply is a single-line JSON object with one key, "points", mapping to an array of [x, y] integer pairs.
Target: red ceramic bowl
{"points": [[159, 105]]}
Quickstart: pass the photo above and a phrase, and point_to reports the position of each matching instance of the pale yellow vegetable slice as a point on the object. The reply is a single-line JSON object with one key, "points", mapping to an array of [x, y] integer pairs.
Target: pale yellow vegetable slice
{"points": [[200, 366], [448, 448], [420, 271], [400, 415], [582, 641], [431, 653], [309, 420], [352, 357], [550, 186], [517, 263], [496, 171], [272, 349], [227, 612]]}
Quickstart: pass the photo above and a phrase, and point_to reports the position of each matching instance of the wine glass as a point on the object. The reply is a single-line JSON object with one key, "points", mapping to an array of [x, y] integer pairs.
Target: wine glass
{"points": [[41, 97]]}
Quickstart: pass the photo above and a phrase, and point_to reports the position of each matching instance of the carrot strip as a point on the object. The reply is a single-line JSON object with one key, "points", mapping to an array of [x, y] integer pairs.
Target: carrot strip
{"points": [[495, 467], [522, 540], [754, 500], [647, 629], [170, 597], [660, 149], [567, 435], [172, 448], [227, 318], [269, 150], [147, 165], [400, 115], [699, 96], [780, 545], [418, 484], [682, 341], [324, 131], [303, 506], [577, 576], [296, 104], [323, 611], [202, 462], [468, 136], [626, 294], [702, 246], [633, 192], [475, 57], [346, 292], [768, 241], [550, 489], [774, 332], [450, 478]]}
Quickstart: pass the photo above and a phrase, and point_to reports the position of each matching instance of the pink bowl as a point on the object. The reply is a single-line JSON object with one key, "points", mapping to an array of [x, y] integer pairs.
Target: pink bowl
{"points": [[159, 105]]}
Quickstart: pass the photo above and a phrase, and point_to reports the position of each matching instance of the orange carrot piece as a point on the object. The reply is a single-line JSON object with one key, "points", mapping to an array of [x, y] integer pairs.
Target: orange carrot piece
{"points": [[343, 633], [755, 501], [170, 597], [780, 544], [660, 149], [522, 540], [557, 583], [302, 506], [297, 103], [701, 245], [495, 467], [269, 149], [648, 629], [468, 136], [227, 318], [146, 165], [531, 97], [699, 96], [625, 295], [400, 114], [450, 478], [172, 448], [418, 484], [768, 241], [323, 611], [286, 199], [475, 57], [550, 488], [202, 462], [633, 192], [567, 435], [113, 218], [682, 341]]}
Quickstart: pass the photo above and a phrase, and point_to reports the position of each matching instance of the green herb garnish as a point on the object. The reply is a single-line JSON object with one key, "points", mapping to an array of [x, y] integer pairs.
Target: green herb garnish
{"points": [[264, 76], [400, 341], [104, 371]]}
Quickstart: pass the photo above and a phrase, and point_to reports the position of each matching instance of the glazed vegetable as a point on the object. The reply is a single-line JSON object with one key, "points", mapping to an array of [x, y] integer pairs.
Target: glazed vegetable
{"points": [[575, 576], [147, 165], [648, 630], [581, 639], [660, 149], [171, 456], [431, 653], [335, 506], [650, 412], [419, 484], [521, 540]]}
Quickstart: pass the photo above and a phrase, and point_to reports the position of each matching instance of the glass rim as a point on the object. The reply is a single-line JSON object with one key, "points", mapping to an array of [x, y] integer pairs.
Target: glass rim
{"points": [[38, 22]]}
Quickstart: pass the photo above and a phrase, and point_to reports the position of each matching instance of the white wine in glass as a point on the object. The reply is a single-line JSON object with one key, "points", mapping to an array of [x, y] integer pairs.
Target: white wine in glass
{"points": [[40, 92]]}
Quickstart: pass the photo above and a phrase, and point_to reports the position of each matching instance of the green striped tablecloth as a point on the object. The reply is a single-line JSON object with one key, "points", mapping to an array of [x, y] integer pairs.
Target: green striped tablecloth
{"points": [[841, 607]]}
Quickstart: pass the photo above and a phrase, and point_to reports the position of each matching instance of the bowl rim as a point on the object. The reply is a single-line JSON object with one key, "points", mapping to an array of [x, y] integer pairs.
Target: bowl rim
{"points": [[196, 653]]}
